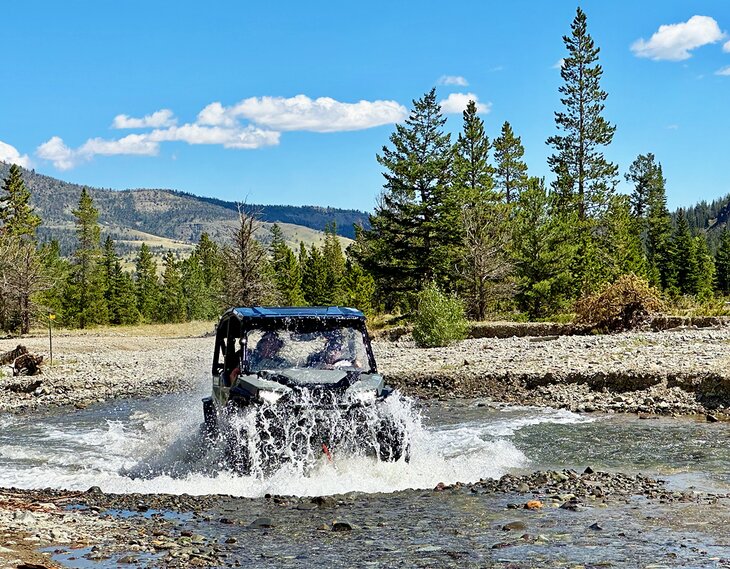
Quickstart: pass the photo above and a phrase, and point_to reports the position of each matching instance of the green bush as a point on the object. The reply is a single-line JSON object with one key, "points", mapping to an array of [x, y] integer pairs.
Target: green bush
{"points": [[440, 319]]}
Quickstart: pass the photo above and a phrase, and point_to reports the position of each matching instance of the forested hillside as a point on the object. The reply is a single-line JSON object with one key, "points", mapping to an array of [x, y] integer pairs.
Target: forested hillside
{"points": [[136, 215]]}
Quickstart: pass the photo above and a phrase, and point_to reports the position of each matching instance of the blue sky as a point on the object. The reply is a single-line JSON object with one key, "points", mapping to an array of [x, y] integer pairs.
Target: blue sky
{"points": [[290, 103]]}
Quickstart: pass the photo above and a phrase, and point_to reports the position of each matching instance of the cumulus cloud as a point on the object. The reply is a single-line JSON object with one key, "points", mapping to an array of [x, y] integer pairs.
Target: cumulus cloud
{"points": [[158, 119], [724, 71], [323, 114], [248, 137], [65, 158], [251, 123], [453, 80], [456, 103], [559, 64], [11, 155], [726, 47], [674, 42]]}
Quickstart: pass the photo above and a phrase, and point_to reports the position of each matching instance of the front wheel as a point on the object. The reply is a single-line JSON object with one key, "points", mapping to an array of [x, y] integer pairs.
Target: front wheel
{"points": [[210, 418], [393, 443]]}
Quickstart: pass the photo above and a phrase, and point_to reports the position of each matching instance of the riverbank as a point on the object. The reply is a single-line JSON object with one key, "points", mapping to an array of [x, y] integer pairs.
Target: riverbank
{"points": [[545, 519], [681, 371]]}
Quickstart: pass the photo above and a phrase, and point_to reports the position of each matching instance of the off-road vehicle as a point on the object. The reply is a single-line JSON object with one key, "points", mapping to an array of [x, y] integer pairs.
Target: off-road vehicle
{"points": [[294, 384]]}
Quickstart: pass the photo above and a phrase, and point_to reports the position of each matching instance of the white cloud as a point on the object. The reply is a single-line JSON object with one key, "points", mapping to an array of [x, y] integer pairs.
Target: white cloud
{"points": [[248, 137], [453, 80], [726, 47], [65, 158], [215, 114], [559, 64], [673, 42], [158, 119], [266, 118], [724, 71], [456, 103], [11, 155], [323, 114], [55, 150]]}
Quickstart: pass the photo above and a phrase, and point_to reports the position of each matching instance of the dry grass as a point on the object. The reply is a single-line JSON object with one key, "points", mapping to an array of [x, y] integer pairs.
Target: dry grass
{"points": [[193, 329]]}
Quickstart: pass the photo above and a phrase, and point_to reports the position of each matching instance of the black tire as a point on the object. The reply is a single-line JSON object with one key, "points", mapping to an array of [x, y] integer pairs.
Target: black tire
{"points": [[237, 455], [392, 442], [210, 418]]}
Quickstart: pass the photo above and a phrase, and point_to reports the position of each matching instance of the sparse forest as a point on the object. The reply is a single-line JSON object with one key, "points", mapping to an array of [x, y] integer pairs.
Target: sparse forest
{"points": [[458, 217]]}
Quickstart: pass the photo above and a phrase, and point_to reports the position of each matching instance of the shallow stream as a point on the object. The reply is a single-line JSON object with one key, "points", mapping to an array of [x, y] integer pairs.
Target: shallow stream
{"points": [[155, 446]]}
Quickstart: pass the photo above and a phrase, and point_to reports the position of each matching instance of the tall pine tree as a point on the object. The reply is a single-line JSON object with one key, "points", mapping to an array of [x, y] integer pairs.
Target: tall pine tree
{"points": [[585, 180], [146, 284], [287, 273], [411, 231], [542, 252], [722, 263], [17, 216], [511, 170], [484, 218], [84, 297]]}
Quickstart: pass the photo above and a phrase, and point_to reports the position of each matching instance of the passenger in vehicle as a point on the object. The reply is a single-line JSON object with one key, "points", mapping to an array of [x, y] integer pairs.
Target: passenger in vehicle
{"points": [[335, 354]]}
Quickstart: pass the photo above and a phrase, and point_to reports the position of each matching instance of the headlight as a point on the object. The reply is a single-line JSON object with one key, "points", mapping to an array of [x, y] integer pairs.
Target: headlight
{"points": [[270, 396], [365, 397]]}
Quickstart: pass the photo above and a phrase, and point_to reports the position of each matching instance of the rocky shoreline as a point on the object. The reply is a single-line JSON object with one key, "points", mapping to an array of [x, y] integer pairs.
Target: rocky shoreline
{"points": [[548, 516], [675, 372]]}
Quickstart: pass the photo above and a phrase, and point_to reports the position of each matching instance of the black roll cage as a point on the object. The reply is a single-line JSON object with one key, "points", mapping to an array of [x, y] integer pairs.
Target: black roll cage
{"points": [[233, 326]]}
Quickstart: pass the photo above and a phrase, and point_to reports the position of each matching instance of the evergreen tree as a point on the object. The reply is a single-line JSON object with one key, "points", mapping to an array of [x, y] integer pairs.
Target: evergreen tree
{"points": [[199, 304], [146, 284], [685, 266], [411, 231], [542, 251], [21, 265], [705, 269], [621, 245], [84, 302], [16, 214], [109, 260], [511, 170], [359, 288], [123, 304], [722, 263], [314, 278], [211, 263], [484, 218], [56, 270], [645, 174], [334, 262], [172, 299], [287, 273], [659, 244], [585, 178]]}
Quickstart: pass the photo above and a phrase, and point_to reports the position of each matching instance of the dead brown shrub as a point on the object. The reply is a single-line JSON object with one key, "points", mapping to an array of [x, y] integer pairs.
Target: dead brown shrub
{"points": [[623, 305]]}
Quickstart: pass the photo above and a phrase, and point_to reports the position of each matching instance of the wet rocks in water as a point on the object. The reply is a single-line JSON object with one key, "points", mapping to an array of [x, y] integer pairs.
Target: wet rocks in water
{"points": [[514, 526], [341, 526], [261, 523]]}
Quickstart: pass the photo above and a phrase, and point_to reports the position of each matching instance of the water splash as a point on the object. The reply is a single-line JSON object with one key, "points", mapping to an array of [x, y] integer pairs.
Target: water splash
{"points": [[158, 446]]}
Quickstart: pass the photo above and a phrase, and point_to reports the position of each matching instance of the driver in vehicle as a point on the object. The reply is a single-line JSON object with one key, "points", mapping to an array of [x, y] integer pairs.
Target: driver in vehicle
{"points": [[266, 354]]}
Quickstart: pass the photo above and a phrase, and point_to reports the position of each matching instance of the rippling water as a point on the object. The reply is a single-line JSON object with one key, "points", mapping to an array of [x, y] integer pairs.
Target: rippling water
{"points": [[156, 446]]}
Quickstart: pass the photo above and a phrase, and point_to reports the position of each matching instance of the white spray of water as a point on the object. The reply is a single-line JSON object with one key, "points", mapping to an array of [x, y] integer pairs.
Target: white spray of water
{"points": [[162, 449]]}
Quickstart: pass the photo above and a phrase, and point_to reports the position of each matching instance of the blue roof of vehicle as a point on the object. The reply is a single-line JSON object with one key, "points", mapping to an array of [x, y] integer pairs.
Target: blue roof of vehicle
{"points": [[256, 312]]}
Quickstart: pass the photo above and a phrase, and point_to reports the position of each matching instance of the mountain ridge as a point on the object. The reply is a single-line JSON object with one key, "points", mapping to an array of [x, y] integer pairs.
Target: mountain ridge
{"points": [[171, 214]]}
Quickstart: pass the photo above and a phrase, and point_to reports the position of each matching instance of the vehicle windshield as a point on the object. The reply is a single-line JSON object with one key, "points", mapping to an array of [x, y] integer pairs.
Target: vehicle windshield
{"points": [[336, 348]]}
